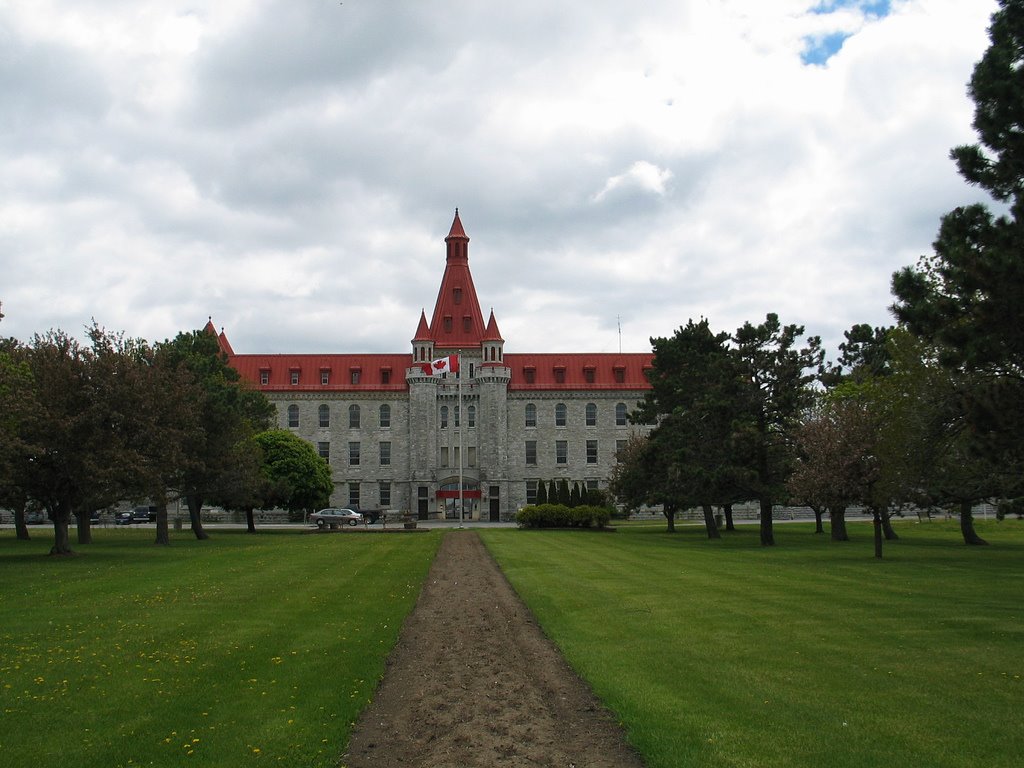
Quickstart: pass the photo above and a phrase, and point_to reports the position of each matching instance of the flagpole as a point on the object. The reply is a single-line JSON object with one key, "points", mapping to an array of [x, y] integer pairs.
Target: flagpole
{"points": [[461, 417]]}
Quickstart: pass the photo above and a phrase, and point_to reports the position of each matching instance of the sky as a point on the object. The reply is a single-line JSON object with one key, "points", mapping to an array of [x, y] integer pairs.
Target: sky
{"points": [[290, 168]]}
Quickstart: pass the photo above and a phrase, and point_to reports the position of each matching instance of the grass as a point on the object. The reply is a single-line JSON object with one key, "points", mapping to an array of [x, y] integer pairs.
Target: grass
{"points": [[810, 653], [241, 650]]}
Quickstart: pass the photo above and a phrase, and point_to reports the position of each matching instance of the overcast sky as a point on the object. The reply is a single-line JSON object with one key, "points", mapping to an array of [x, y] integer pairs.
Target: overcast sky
{"points": [[291, 167]]}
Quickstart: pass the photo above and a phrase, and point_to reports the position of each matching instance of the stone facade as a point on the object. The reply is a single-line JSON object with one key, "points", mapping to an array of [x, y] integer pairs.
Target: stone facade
{"points": [[398, 438]]}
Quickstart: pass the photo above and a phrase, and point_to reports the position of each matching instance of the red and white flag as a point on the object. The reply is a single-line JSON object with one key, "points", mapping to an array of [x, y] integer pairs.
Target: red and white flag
{"points": [[448, 364]]}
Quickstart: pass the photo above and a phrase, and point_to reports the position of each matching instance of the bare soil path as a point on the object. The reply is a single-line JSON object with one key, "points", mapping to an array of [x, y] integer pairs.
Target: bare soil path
{"points": [[474, 682]]}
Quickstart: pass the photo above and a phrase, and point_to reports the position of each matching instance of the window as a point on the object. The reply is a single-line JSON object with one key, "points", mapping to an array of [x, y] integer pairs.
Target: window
{"points": [[353, 375], [325, 376], [591, 414], [559, 375], [385, 454], [531, 453], [444, 417], [325, 416], [560, 415], [588, 374], [529, 374], [456, 409], [385, 416], [353, 454], [561, 452], [384, 492], [324, 449], [531, 491], [264, 377], [620, 414], [295, 378], [458, 295], [471, 416], [448, 323], [620, 446], [531, 415], [353, 417], [471, 456], [353, 495], [467, 323], [444, 456], [620, 375], [293, 416], [385, 375], [591, 451]]}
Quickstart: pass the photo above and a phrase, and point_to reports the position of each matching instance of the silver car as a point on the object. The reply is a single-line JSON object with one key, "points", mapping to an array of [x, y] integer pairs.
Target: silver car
{"points": [[333, 516]]}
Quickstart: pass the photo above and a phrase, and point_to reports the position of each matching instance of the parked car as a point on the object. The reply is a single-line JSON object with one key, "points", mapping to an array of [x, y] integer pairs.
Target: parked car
{"points": [[37, 517], [334, 516], [136, 515], [123, 518]]}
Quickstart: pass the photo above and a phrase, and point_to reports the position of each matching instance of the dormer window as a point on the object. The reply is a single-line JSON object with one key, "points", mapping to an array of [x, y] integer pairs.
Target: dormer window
{"points": [[294, 376], [325, 376], [264, 376], [589, 374], [559, 375], [620, 374], [467, 323], [385, 375], [353, 374], [529, 375], [447, 323]]}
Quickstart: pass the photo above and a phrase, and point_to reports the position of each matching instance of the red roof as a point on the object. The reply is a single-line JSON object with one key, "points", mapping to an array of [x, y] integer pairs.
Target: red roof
{"points": [[491, 333], [580, 371], [345, 373], [457, 321]]}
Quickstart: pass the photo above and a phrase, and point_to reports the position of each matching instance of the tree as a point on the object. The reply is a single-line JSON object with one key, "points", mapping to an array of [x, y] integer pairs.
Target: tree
{"points": [[542, 493], [229, 412], [965, 297], [640, 478], [776, 390], [17, 395], [297, 477]]}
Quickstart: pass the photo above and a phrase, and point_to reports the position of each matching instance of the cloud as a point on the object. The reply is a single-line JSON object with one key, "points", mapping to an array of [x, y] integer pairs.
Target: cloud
{"points": [[292, 168]]}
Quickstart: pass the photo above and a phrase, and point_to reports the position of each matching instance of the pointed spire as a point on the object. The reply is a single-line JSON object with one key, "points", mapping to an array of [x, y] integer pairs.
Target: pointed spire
{"points": [[491, 333], [422, 330], [457, 320]]}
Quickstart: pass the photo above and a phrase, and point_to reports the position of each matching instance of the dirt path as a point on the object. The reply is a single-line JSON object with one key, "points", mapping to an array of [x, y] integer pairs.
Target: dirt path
{"points": [[474, 682]]}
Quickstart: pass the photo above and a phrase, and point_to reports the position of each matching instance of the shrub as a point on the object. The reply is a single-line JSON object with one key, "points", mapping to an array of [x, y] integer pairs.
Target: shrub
{"points": [[561, 516]]}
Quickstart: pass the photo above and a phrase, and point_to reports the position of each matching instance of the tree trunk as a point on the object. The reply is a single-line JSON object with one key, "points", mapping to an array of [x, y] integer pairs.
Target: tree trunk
{"points": [[887, 529], [818, 527], [195, 506], [163, 536], [20, 526], [727, 511], [709, 522], [838, 517], [670, 516], [876, 517], [61, 541], [767, 532], [83, 525], [250, 520], [967, 525]]}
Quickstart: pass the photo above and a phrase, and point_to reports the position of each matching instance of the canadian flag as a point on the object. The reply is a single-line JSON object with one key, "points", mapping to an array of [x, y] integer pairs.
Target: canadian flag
{"points": [[448, 364]]}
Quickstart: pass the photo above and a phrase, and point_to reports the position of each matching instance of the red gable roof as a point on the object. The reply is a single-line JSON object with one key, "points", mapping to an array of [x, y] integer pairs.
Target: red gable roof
{"points": [[457, 321], [580, 371], [344, 373]]}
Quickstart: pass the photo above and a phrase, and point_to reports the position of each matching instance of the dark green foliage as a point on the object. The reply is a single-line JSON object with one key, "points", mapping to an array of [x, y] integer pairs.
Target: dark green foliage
{"points": [[298, 478], [574, 495], [561, 516], [542, 493], [563, 492]]}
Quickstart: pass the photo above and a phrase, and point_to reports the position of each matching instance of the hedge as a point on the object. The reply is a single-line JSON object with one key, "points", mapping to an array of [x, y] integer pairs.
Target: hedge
{"points": [[561, 516]]}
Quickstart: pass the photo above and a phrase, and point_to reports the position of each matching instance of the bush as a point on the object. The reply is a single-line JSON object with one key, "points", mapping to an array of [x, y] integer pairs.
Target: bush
{"points": [[561, 516]]}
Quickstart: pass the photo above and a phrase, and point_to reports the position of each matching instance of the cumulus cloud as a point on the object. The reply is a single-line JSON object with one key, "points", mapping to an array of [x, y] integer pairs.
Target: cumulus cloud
{"points": [[292, 168]]}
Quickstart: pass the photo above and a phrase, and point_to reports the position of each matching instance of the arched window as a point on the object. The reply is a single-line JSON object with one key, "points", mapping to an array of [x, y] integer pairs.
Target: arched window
{"points": [[353, 417], [591, 414], [560, 415], [531, 415], [293, 416], [620, 414], [325, 416], [444, 417], [385, 416]]}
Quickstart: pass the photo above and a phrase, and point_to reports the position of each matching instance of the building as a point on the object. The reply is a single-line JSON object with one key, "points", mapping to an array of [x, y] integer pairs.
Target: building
{"points": [[397, 437]]}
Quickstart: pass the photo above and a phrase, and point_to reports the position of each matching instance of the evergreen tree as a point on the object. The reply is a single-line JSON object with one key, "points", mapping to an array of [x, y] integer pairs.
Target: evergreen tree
{"points": [[542, 493]]}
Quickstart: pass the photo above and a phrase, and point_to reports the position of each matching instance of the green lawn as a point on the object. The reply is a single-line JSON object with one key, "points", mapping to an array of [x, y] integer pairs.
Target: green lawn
{"points": [[241, 650], [810, 653]]}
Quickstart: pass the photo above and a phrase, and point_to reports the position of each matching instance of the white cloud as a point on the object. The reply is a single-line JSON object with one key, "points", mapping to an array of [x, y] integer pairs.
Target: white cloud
{"points": [[292, 168]]}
